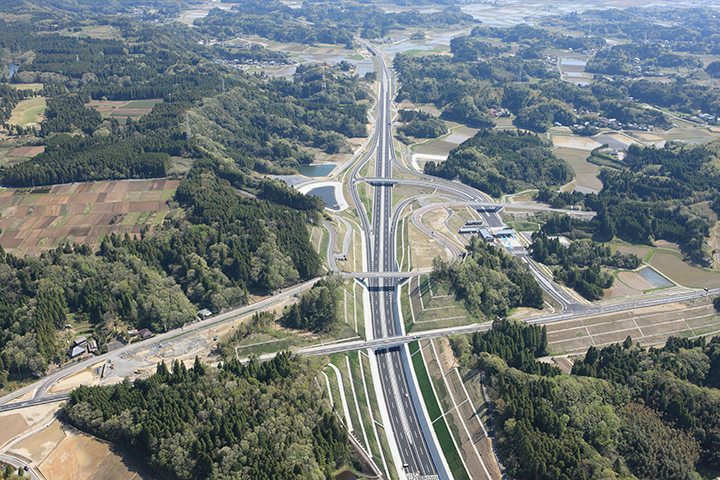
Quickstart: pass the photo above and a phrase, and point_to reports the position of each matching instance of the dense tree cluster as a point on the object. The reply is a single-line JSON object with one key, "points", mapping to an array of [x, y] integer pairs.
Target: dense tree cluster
{"points": [[658, 194], [245, 242], [490, 281], [677, 383], [470, 48], [478, 79], [37, 294], [67, 113], [419, 124], [84, 8], [625, 413], [84, 61], [317, 309], [263, 126], [502, 161], [75, 159], [539, 38], [467, 91], [689, 30], [517, 344], [261, 421]]}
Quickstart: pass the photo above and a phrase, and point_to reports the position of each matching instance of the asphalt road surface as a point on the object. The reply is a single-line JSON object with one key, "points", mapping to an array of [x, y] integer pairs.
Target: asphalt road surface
{"points": [[409, 437]]}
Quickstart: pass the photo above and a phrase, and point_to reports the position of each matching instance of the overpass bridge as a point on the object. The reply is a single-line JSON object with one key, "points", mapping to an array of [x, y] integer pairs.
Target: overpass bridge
{"points": [[379, 181], [365, 275]]}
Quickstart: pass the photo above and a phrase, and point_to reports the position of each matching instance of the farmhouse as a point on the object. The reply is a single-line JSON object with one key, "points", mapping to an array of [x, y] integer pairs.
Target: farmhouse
{"points": [[145, 333]]}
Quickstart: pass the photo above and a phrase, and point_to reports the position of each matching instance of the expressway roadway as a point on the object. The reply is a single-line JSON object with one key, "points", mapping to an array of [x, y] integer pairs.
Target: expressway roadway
{"points": [[410, 439]]}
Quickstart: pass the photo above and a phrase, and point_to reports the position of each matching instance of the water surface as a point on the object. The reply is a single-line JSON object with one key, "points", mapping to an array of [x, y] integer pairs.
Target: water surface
{"points": [[316, 170], [327, 194]]}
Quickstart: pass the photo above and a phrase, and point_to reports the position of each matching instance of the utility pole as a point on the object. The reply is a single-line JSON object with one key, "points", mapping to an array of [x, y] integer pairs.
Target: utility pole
{"points": [[187, 126]]}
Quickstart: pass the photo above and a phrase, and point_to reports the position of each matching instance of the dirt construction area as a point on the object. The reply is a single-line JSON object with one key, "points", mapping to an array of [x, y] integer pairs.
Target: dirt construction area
{"points": [[79, 456], [34, 220]]}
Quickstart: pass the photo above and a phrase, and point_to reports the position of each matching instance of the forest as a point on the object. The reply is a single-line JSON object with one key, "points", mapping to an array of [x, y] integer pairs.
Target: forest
{"points": [[503, 161], [321, 22], [517, 344], [626, 412], [158, 280], [489, 281], [469, 89], [225, 246], [259, 421], [625, 60], [660, 194], [690, 30], [266, 127]]}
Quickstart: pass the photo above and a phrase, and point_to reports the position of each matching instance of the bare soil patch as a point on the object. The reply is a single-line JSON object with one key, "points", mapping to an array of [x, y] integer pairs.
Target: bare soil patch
{"points": [[130, 112], [611, 327], [635, 281], [12, 426], [81, 456], [84, 377], [424, 248], [619, 289], [28, 152], [675, 269], [38, 446], [637, 250]]}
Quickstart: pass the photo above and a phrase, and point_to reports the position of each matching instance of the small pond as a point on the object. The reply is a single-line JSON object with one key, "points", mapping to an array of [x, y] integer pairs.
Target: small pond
{"points": [[327, 194], [316, 170]]}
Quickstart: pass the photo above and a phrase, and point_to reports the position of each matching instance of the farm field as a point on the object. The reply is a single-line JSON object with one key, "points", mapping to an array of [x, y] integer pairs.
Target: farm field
{"points": [[34, 220], [586, 179], [671, 265], [122, 110]]}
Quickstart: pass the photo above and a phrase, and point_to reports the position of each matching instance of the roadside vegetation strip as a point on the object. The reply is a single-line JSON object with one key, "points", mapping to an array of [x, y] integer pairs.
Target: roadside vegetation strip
{"points": [[324, 243], [447, 442], [424, 290], [426, 388], [335, 389], [338, 364], [327, 382], [406, 309], [361, 420], [400, 244]]}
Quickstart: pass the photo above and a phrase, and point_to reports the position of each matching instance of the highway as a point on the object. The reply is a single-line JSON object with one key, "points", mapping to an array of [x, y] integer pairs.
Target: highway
{"points": [[409, 436]]}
